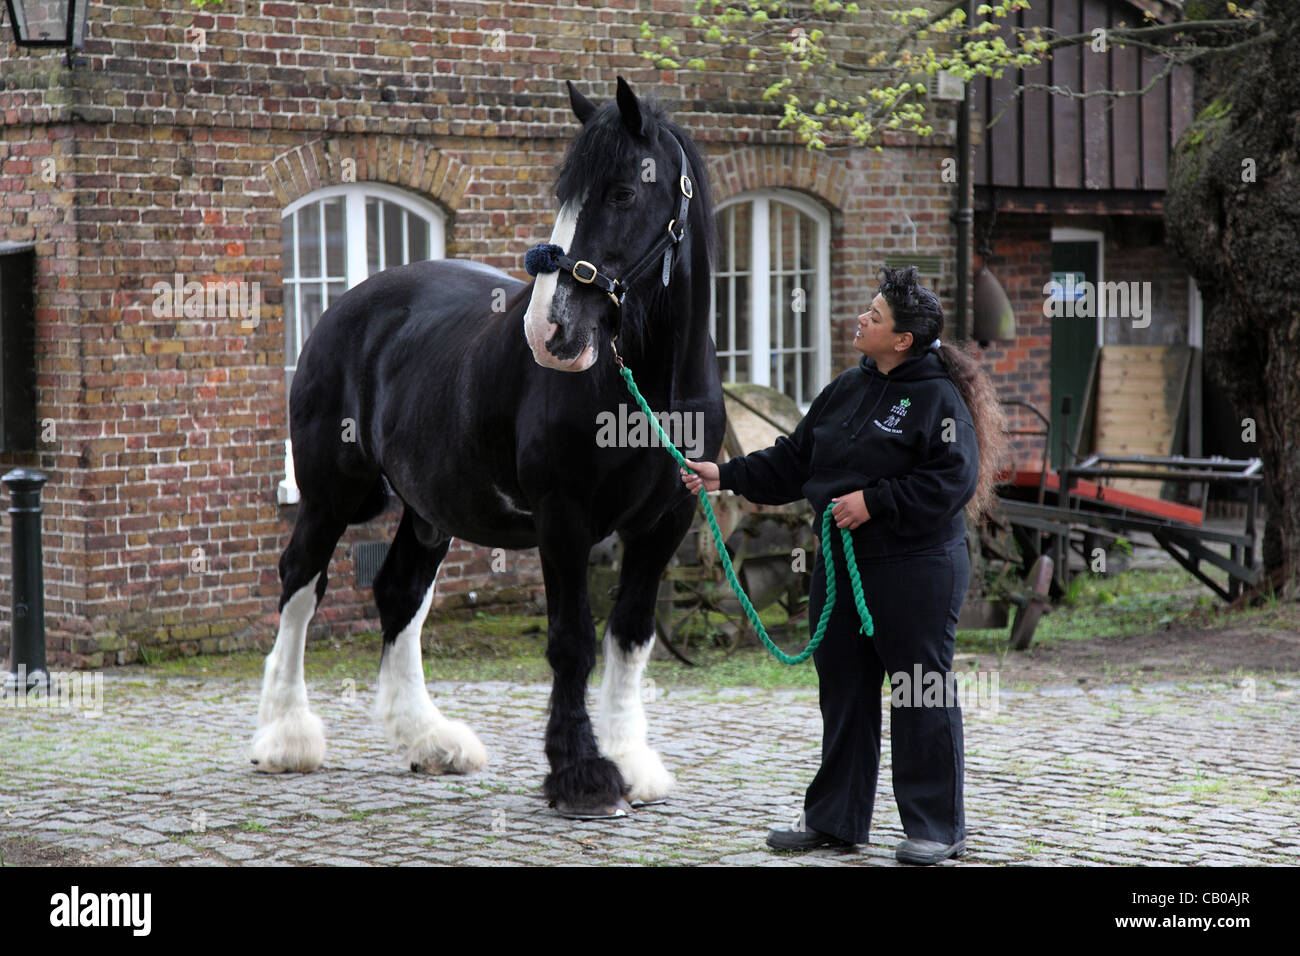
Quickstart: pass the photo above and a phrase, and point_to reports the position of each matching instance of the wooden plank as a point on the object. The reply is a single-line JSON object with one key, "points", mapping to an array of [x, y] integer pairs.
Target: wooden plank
{"points": [[1139, 404], [1109, 494], [1036, 130], [1004, 137], [1125, 128], [1067, 114], [1134, 429], [1136, 441], [1096, 116], [1146, 393], [1136, 353], [1155, 123]]}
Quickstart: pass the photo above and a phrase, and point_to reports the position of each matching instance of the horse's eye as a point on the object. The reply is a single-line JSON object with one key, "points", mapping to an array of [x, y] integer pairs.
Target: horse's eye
{"points": [[621, 196]]}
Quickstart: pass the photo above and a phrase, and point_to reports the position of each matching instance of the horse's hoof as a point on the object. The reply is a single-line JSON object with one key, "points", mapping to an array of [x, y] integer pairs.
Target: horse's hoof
{"points": [[294, 742], [447, 747], [648, 782], [574, 811]]}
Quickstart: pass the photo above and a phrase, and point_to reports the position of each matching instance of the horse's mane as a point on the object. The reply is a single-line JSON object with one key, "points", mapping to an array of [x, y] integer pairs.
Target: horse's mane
{"points": [[604, 146]]}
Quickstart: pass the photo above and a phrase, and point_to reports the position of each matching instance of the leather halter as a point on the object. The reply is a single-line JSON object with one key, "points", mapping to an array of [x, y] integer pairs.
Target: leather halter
{"points": [[547, 257]]}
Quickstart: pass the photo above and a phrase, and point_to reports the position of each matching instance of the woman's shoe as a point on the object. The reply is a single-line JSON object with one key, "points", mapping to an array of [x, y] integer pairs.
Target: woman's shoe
{"points": [[926, 852], [803, 837]]}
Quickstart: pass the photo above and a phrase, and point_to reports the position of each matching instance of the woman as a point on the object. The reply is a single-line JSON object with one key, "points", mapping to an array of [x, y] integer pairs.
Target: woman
{"points": [[899, 445]]}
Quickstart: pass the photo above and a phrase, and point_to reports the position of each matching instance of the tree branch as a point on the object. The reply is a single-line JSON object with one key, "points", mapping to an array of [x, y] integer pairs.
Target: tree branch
{"points": [[1183, 26]]}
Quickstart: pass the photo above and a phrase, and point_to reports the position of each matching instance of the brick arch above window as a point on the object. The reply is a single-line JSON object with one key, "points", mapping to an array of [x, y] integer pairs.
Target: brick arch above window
{"points": [[398, 161], [773, 167]]}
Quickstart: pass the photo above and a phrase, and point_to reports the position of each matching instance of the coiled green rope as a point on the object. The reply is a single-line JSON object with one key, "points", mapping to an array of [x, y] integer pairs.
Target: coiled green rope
{"points": [[868, 627]]}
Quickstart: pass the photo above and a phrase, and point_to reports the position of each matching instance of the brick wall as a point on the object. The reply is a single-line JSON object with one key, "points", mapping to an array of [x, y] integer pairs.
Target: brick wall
{"points": [[1021, 370], [162, 527]]}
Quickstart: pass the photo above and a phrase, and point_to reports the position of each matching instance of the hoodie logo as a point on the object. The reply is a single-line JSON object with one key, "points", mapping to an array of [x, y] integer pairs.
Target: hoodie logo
{"points": [[896, 415]]}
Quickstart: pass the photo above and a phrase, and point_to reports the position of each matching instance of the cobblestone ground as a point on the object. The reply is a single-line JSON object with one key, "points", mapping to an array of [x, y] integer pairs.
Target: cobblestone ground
{"points": [[1164, 774]]}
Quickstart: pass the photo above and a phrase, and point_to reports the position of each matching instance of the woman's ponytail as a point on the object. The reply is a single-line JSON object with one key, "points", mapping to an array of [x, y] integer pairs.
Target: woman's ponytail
{"points": [[986, 414]]}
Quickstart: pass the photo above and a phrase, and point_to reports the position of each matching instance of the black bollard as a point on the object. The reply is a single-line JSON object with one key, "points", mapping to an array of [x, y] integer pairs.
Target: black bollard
{"points": [[27, 631]]}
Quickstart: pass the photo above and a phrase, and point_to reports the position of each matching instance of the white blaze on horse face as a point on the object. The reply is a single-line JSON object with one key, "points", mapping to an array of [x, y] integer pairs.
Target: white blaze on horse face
{"points": [[289, 736], [432, 743], [620, 722], [538, 325]]}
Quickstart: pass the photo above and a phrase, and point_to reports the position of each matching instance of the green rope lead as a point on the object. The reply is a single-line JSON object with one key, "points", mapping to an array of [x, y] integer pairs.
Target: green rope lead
{"points": [[868, 627]]}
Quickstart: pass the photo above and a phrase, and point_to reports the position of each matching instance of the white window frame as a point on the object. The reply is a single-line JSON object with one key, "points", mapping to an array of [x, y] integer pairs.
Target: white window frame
{"points": [[760, 259], [356, 262]]}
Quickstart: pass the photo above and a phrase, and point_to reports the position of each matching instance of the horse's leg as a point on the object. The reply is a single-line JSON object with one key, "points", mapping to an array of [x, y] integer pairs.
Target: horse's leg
{"points": [[581, 783], [404, 591], [289, 736], [629, 636]]}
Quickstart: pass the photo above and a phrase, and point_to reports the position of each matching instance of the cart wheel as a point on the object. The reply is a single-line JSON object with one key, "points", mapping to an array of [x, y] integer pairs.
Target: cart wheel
{"points": [[1027, 615], [671, 633]]}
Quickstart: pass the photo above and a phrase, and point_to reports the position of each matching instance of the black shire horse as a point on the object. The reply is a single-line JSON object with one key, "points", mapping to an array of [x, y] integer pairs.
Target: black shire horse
{"points": [[419, 380]]}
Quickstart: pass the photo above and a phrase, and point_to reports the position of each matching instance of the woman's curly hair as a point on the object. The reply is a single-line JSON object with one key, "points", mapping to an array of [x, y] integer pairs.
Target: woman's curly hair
{"points": [[917, 310]]}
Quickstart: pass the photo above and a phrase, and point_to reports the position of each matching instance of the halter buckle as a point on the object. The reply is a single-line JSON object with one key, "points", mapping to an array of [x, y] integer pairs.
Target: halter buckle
{"points": [[591, 278], [676, 236], [687, 189]]}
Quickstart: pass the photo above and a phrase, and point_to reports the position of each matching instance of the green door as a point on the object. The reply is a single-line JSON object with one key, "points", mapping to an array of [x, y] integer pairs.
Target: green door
{"points": [[1074, 339]]}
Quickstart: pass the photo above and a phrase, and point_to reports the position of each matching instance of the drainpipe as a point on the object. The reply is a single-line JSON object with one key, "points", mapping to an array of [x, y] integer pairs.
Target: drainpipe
{"points": [[964, 215]]}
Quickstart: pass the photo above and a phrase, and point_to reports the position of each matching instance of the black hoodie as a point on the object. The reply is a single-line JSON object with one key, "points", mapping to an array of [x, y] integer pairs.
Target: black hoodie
{"points": [[905, 440]]}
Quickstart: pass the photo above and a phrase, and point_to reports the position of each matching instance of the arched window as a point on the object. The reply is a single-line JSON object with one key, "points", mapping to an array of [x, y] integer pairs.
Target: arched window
{"points": [[771, 296], [333, 239]]}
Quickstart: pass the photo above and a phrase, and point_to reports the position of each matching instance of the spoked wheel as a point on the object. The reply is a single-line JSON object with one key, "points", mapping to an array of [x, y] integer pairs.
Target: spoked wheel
{"points": [[1035, 600]]}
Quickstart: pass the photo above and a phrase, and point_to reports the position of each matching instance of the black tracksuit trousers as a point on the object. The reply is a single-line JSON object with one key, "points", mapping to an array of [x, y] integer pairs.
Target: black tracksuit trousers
{"points": [[914, 600]]}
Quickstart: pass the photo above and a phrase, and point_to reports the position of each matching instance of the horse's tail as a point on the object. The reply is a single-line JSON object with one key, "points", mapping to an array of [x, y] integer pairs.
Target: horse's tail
{"points": [[373, 504]]}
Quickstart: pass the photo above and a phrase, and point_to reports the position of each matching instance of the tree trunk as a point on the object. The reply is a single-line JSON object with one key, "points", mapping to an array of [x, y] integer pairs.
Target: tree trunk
{"points": [[1233, 212]]}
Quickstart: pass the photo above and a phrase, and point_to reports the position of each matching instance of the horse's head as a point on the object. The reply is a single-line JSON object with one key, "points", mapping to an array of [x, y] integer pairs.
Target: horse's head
{"points": [[620, 187]]}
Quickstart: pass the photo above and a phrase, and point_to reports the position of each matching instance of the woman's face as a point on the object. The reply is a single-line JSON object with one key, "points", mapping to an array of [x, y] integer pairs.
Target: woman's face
{"points": [[875, 335]]}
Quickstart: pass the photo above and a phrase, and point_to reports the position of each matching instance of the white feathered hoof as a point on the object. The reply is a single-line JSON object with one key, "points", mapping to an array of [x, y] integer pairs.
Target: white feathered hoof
{"points": [[649, 781], [295, 743], [449, 747]]}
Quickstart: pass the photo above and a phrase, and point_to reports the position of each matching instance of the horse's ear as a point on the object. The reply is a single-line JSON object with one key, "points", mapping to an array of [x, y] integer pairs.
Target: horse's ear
{"points": [[582, 107], [630, 108]]}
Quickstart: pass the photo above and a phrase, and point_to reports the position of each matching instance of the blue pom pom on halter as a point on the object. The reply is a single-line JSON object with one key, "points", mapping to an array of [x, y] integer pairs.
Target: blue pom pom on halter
{"points": [[542, 258]]}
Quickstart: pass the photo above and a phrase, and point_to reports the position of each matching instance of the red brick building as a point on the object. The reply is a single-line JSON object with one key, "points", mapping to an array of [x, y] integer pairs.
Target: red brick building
{"points": [[294, 149]]}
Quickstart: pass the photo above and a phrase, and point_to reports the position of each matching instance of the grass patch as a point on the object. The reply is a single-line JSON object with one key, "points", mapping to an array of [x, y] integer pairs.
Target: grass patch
{"points": [[511, 647]]}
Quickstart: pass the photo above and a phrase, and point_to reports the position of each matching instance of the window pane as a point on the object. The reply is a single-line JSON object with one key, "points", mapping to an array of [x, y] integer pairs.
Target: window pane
{"points": [[392, 235], [335, 238], [335, 290], [312, 307], [742, 216], [807, 245], [742, 368], [309, 240], [287, 233], [372, 236], [809, 372], [419, 237], [720, 317], [743, 317]]}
